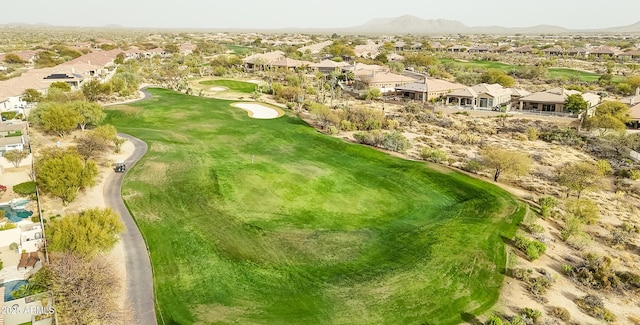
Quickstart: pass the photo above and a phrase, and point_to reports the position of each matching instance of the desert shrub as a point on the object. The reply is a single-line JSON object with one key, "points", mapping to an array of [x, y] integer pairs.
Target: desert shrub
{"points": [[531, 313], [494, 320], [532, 133], [395, 141], [532, 248], [518, 320], [604, 167], [572, 227], [561, 313], [584, 209], [347, 126], [538, 286], [26, 188], [567, 269], [521, 274], [629, 279], [634, 174], [373, 138], [533, 228], [520, 137], [333, 130], [13, 246], [35, 219], [594, 306], [563, 136], [596, 272], [433, 155], [412, 108], [547, 204], [473, 166], [466, 138]]}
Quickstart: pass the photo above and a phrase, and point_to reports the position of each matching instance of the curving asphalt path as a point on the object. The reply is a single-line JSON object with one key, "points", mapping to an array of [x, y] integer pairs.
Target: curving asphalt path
{"points": [[139, 287]]}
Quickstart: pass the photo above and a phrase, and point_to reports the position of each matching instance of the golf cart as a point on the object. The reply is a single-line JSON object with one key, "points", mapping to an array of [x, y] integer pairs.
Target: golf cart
{"points": [[120, 167]]}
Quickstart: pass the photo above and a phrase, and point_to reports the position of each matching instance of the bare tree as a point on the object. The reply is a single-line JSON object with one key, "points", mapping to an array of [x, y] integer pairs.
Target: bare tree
{"points": [[85, 291]]}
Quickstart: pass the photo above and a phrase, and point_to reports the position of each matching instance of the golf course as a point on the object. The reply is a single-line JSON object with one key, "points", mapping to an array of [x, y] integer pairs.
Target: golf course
{"points": [[268, 221]]}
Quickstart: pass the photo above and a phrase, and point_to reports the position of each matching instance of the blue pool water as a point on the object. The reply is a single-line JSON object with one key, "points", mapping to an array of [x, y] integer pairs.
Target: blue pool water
{"points": [[16, 215], [12, 286]]}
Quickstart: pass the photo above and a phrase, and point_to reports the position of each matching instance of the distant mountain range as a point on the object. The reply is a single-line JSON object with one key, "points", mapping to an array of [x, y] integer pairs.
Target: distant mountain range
{"points": [[403, 25], [414, 25]]}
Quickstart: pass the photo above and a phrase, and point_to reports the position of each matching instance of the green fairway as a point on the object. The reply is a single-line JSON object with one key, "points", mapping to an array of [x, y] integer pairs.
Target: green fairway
{"points": [[271, 222], [553, 72], [241, 49], [234, 85]]}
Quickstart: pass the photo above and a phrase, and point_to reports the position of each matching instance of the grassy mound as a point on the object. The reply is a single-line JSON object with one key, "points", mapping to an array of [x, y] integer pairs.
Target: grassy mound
{"points": [[268, 221]]}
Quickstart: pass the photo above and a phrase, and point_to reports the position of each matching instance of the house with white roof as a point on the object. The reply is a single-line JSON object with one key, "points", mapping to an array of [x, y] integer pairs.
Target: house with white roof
{"points": [[553, 100], [482, 95]]}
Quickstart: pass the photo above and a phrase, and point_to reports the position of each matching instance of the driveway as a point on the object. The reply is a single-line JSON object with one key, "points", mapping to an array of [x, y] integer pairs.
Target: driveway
{"points": [[139, 290]]}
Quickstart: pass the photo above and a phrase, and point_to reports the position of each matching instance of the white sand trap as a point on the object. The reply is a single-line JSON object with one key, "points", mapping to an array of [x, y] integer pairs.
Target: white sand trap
{"points": [[258, 110], [217, 88], [253, 81]]}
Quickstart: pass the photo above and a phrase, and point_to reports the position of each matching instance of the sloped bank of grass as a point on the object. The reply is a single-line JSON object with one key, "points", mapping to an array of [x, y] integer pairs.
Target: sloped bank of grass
{"points": [[270, 222]]}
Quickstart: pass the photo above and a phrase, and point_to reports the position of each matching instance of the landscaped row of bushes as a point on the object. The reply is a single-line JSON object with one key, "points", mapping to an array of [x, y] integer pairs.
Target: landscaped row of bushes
{"points": [[393, 141]]}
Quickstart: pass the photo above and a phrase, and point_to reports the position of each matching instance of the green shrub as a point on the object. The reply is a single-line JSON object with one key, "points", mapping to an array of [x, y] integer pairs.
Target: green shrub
{"points": [[26, 188], [531, 313], [604, 167], [494, 320], [634, 174], [13, 246], [561, 313], [9, 115], [8, 226], [533, 228], [532, 248], [538, 286], [584, 209], [35, 219], [532, 133], [521, 274], [395, 141], [567, 269], [473, 166], [518, 320], [432, 155], [547, 204]]}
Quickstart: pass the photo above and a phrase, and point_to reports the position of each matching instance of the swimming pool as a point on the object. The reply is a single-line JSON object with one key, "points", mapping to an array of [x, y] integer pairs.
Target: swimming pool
{"points": [[12, 286], [19, 213]]}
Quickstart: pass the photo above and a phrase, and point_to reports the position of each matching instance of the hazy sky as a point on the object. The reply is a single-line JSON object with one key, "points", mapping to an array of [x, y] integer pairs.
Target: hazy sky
{"points": [[579, 14]]}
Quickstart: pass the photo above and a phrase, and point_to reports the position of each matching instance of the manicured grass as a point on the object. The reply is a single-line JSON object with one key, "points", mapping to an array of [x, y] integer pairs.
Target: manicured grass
{"points": [[553, 72], [240, 49], [270, 222], [239, 86]]}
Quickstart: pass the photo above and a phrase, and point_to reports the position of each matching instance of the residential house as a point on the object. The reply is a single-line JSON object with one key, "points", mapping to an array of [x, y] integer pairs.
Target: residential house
{"points": [[523, 50], [315, 48], [13, 143], [634, 116], [457, 48], [385, 81], [577, 52], [553, 100], [604, 51], [631, 54], [482, 95], [632, 100], [393, 57], [554, 51], [369, 50], [427, 89], [479, 49], [261, 59], [329, 66]]}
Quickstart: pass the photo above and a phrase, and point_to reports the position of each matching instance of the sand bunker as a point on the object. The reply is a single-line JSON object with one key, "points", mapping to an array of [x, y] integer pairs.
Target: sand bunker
{"points": [[253, 81], [217, 88], [258, 110]]}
